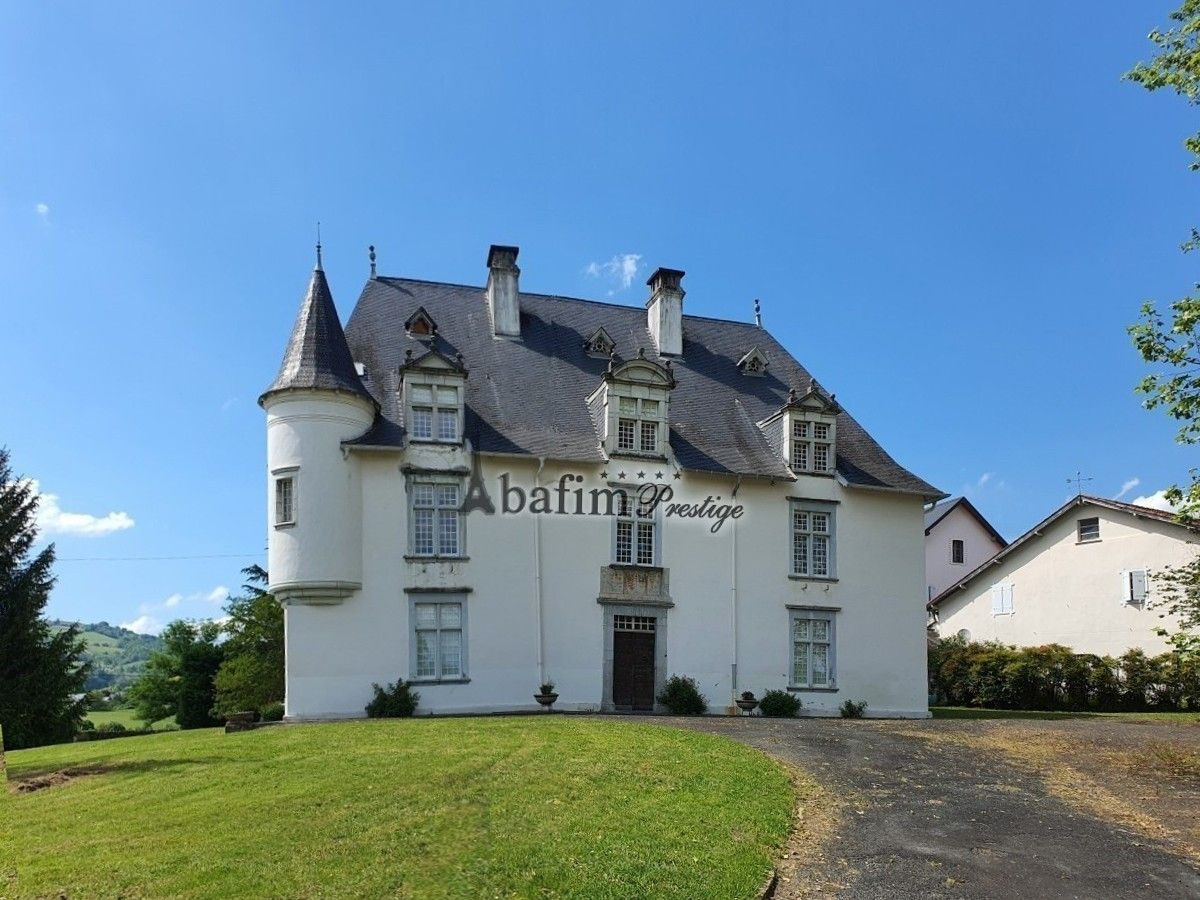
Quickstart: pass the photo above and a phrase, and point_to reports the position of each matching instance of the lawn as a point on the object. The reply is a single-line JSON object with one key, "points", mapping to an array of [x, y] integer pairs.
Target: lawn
{"points": [[554, 806], [126, 717], [970, 712]]}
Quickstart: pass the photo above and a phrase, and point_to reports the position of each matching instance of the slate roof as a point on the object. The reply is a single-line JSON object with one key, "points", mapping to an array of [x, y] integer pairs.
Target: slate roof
{"points": [[317, 355], [1138, 512], [937, 513], [528, 397]]}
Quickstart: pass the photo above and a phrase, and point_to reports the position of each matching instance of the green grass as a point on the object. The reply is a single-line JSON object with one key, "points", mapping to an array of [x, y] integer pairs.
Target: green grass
{"points": [[970, 712], [126, 717], [554, 806]]}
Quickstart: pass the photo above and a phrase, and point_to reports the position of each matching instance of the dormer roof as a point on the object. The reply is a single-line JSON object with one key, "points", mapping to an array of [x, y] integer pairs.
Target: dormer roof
{"points": [[753, 362], [317, 356], [420, 324], [599, 344], [433, 360]]}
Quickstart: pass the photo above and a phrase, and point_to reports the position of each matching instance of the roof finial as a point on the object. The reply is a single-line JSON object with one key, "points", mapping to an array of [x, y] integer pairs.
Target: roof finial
{"points": [[371, 255], [319, 269], [757, 313]]}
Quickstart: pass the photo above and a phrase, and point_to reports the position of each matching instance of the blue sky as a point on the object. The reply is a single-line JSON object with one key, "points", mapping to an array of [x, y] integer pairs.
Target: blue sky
{"points": [[950, 215]]}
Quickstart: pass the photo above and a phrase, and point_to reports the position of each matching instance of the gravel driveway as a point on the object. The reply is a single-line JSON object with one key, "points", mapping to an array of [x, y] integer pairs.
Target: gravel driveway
{"points": [[924, 813]]}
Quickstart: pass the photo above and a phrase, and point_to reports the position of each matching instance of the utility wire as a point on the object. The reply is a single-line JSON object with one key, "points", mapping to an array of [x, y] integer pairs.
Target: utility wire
{"points": [[152, 558]]}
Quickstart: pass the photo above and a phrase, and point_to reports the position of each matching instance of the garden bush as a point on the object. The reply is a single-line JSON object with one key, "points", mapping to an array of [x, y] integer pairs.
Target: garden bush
{"points": [[779, 705], [272, 712], [681, 695], [853, 709], [393, 701], [1053, 677]]}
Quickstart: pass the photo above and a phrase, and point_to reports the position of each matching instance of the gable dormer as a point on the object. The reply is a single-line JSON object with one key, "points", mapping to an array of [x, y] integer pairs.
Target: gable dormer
{"points": [[810, 436], [421, 325], [755, 362], [599, 344], [431, 390], [632, 407]]}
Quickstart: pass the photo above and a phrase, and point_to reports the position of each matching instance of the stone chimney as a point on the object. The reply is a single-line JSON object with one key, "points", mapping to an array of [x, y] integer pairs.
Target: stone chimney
{"points": [[664, 311], [503, 287]]}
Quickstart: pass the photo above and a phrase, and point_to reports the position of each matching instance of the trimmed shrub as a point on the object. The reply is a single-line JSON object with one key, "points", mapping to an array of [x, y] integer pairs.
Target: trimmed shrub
{"points": [[112, 728], [853, 709], [272, 712], [393, 701], [779, 705], [681, 695]]}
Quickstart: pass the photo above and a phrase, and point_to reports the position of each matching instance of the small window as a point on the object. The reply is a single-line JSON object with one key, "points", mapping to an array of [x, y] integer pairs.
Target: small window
{"points": [[434, 413], [636, 532], [638, 425], [285, 500], [438, 649], [1089, 530], [434, 519], [812, 541], [812, 447], [1133, 587], [1002, 600], [957, 552], [812, 649]]}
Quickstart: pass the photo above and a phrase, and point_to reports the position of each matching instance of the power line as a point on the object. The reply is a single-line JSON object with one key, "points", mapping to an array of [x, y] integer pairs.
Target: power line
{"points": [[154, 558]]}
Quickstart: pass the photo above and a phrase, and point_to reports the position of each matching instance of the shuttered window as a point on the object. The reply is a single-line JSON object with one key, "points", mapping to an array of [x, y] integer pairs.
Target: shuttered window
{"points": [[1133, 587], [1002, 600]]}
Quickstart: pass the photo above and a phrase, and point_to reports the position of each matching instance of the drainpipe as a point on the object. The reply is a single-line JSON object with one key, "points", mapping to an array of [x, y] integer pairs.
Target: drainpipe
{"points": [[537, 576], [733, 593]]}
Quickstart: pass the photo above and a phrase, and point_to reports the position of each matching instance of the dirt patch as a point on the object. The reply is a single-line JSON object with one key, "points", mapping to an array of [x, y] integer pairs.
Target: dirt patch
{"points": [[804, 868], [31, 783]]}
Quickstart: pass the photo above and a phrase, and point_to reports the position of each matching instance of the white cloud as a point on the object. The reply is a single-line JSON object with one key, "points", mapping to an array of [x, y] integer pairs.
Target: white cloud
{"points": [[228, 404], [43, 212], [144, 625], [53, 519], [217, 594], [172, 601], [1157, 500], [620, 270], [984, 479], [1127, 486]]}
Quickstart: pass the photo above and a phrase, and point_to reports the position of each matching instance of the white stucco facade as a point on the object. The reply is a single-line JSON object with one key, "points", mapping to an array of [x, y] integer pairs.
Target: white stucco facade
{"points": [[1053, 588], [979, 544], [530, 586]]}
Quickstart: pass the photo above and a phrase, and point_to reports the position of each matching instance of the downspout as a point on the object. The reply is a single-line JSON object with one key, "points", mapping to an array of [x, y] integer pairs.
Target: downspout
{"points": [[733, 593], [537, 576]]}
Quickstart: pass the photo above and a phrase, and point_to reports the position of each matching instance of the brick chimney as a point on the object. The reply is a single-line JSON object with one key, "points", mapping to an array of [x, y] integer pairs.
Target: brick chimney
{"points": [[664, 311], [503, 287]]}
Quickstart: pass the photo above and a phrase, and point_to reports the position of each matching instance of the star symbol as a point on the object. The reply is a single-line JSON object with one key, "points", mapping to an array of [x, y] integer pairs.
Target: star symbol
{"points": [[604, 474], [676, 474], [641, 475], [658, 475], [620, 474]]}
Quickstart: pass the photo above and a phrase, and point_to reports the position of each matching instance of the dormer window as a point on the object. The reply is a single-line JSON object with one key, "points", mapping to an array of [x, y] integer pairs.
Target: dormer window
{"points": [[420, 324], [435, 412], [638, 425], [599, 344], [812, 446], [753, 363]]}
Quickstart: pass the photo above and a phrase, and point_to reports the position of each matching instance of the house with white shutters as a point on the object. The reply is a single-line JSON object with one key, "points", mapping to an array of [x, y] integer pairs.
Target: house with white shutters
{"points": [[1083, 577], [957, 539], [478, 489]]}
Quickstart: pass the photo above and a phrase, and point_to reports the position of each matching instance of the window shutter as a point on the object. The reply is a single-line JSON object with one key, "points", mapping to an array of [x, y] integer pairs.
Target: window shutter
{"points": [[1137, 586], [1126, 593], [1008, 598], [997, 599]]}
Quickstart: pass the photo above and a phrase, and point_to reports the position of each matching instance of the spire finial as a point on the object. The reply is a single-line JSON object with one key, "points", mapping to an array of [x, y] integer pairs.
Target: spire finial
{"points": [[757, 313], [319, 269], [371, 255]]}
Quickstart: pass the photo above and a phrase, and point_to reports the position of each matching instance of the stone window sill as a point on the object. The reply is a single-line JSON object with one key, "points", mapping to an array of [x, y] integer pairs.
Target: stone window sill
{"points": [[795, 689], [820, 578], [436, 559], [427, 681]]}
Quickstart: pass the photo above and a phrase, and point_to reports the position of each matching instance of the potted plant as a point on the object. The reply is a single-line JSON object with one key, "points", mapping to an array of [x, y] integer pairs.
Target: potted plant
{"points": [[747, 701], [546, 695]]}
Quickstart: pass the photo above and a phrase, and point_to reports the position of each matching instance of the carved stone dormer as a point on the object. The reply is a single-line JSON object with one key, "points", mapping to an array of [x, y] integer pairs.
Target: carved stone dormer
{"points": [[431, 388], [755, 362], [804, 430], [631, 407], [421, 325], [599, 344]]}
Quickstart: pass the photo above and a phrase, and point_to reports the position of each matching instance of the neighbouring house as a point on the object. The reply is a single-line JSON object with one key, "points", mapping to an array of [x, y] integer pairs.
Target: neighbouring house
{"points": [[957, 539], [1083, 577], [480, 489]]}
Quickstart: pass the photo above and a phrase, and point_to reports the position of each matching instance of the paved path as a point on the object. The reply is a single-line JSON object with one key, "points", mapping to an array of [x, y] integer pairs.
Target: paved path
{"points": [[932, 819]]}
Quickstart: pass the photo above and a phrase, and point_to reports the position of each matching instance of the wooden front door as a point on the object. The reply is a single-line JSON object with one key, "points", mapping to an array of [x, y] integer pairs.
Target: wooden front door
{"points": [[633, 662]]}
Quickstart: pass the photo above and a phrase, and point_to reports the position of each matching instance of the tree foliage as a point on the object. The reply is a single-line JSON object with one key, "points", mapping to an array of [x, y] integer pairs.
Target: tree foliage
{"points": [[252, 672], [178, 680], [40, 668]]}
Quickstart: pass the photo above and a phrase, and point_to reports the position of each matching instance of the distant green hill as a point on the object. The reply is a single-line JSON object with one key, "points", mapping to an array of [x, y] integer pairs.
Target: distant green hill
{"points": [[117, 655]]}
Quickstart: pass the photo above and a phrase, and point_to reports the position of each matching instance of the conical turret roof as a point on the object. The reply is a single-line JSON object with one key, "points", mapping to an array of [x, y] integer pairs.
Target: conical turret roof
{"points": [[318, 357]]}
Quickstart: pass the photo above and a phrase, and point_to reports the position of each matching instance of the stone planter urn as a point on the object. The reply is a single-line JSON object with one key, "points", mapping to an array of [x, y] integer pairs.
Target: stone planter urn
{"points": [[747, 702], [546, 696]]}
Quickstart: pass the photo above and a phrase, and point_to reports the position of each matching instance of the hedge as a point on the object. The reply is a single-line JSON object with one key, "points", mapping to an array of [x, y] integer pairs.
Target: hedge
{"points": [[1054, 677]]}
